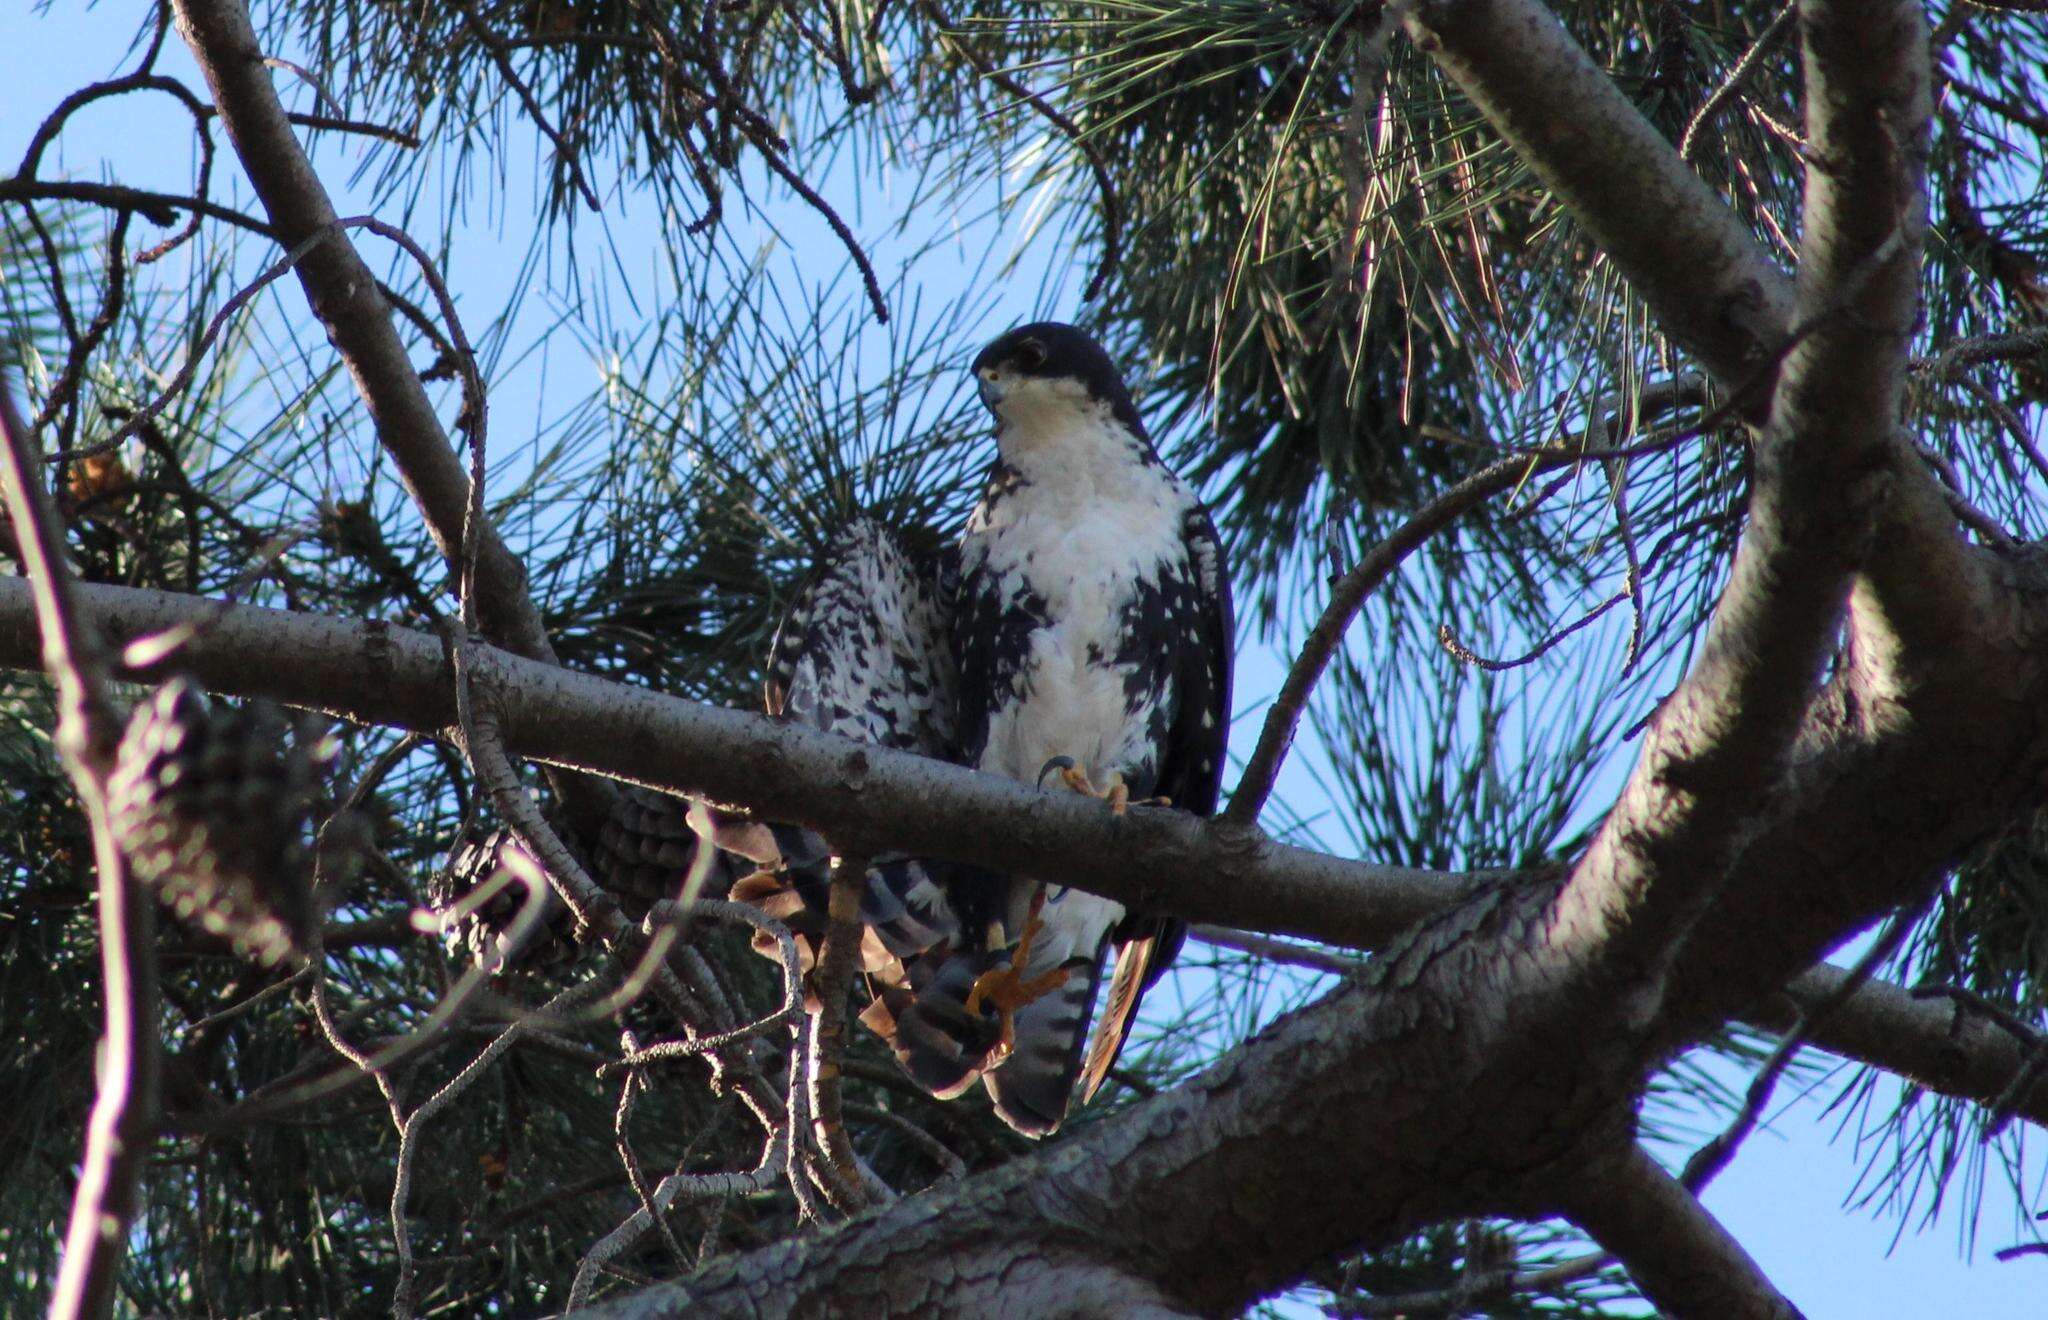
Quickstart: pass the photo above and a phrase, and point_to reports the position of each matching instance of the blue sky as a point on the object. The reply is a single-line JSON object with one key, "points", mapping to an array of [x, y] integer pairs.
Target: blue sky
{"points": [[1783, 1197]]}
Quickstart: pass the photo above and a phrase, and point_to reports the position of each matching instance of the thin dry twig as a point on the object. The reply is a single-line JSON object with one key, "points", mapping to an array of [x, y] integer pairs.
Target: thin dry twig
{"points": [[622, 1141], [124, 1113], [473, 392], [831, 981], [1965, 512], [1278, 950], [1632, 580], [1351, 591], [1737, 75], [677, 1187], [1708, 1161], [564, 149], [47, 131], [410, 1126], [1105, 187], [950, 1165], [2008, 419], [1464, 654]]}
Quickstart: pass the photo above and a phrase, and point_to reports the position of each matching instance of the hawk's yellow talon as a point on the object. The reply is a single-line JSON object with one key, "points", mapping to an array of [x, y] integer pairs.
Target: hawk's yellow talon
{"points": [[1116, 793], [1008, 989]]}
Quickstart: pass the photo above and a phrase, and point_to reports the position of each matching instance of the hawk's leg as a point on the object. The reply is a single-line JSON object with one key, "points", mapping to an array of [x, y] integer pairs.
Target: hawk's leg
{"points": [[1010, 988], [1116, 792]]}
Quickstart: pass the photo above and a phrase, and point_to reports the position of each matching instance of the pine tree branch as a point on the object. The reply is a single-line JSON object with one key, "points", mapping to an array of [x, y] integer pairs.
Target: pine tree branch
{"points": [[1692, 259], [377, 673], [124, 1113], [1943, 1047], [348, 301], [1681, 1256]]}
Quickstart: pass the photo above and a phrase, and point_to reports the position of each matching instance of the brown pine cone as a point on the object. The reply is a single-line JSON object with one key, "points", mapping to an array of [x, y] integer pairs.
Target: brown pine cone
{"points": [[210, 805]]}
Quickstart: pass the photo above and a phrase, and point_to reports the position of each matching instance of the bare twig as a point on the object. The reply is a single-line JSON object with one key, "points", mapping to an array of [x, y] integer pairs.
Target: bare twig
{"points": [[675, 1187], [950, 1165], [1105, 188], [1281, 951], [124, 1113], [1351, 591], [410, 1126], [148, 413], [1965, 512], [830, 982], [622, 1141], [47, 131], [156, 207], [1632, 580], [1466, 655], [308, 77], [1737, 75], [564, 149]]}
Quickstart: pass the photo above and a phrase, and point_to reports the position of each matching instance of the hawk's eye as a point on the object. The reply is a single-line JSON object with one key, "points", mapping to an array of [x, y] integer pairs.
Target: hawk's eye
{"points": [[1031, 355]]}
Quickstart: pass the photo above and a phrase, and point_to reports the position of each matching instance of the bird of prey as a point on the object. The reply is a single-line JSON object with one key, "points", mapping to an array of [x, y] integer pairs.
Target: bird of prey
{"points": [[1082, 627], [1092, 630]]}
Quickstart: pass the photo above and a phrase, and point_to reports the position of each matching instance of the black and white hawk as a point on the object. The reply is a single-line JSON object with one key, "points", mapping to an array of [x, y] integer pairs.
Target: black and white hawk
{"points": [[1087, 631]]}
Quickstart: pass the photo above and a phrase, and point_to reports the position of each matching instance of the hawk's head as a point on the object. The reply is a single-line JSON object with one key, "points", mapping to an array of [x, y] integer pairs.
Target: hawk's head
{"points": [[1047, 379]]}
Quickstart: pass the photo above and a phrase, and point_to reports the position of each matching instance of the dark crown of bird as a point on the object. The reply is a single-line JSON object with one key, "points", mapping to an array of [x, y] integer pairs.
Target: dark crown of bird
{"points": [[1047, 364]]}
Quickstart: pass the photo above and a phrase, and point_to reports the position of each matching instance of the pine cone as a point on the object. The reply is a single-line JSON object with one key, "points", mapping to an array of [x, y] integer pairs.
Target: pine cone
{"points": [[481, 934], [210, 806]]}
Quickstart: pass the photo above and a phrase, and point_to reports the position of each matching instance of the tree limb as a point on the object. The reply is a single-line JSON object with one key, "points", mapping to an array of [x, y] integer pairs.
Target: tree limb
{"points": [[377, 673], [1682, 1257], [374, 672], [124, 1112], [344, 296]]}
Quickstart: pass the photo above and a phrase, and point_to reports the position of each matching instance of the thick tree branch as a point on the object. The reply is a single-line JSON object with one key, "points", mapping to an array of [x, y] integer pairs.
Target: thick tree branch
{"points": [[345, 296], [1680, 1255], [1687, 254], [1928, 1042], [376, 673], [381, 674]]}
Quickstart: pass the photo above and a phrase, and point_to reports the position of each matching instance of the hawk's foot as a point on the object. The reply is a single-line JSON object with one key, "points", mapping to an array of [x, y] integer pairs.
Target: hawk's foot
{"points": [[1115, 792], [1008, 989]]}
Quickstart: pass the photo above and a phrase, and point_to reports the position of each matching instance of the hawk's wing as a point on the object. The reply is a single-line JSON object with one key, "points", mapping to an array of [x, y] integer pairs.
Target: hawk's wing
{"points": [[864, 652]]}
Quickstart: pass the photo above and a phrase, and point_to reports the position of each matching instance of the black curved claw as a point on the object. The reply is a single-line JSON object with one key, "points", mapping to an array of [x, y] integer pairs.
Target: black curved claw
{"points": [[1056, 763]]}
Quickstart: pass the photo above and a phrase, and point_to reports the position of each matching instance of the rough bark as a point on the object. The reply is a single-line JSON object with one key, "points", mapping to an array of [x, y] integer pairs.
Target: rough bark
{"points": [[1681, 1256]]}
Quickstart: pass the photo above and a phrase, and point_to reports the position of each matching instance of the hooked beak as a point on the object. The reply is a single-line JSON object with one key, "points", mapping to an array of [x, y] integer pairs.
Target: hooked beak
{"points": [[991, 390]]}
